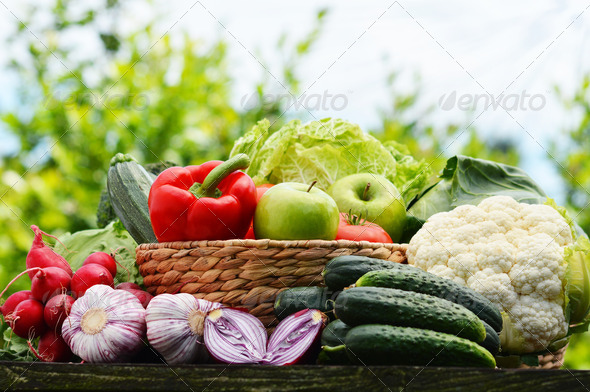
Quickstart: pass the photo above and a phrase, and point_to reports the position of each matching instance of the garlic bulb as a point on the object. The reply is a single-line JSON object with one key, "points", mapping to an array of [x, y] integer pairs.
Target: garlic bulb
{"points": [[105, 325], [175, 325]]}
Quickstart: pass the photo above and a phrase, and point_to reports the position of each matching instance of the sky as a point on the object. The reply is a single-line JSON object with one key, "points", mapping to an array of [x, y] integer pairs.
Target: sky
{"points": [[462, 55]]}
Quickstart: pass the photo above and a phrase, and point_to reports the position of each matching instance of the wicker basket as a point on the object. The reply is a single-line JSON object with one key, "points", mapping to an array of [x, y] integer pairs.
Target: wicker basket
{"points": [[549, 360], [247, 273]]}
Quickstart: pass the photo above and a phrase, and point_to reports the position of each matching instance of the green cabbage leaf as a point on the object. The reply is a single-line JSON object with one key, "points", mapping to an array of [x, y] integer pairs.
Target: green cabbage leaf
{"points": [[325, 151]]}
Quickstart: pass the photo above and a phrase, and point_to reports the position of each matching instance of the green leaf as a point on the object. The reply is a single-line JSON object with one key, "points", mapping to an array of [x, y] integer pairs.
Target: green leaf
{"points": [[467, 180], [14, 348], [325, 151], [113, 237], [577, 288]]}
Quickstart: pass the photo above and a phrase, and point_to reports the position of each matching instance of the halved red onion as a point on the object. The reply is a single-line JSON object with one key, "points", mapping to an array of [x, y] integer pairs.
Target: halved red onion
{"points": [[293, 337], [233, 336]]}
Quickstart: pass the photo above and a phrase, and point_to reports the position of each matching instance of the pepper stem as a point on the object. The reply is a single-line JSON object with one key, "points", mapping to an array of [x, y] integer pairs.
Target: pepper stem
{"points": [[209, 187]]}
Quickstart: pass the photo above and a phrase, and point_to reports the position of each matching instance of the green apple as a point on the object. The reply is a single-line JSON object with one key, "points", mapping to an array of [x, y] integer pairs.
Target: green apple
{"points": [[375, 198], [295, 211]]}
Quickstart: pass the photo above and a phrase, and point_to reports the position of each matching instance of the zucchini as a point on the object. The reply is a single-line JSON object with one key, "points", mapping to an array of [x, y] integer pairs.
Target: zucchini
{"points": [[388, 345], [381, 305], [129, 186], [492, 340], [294, 299], [342, 271], [409, 278]]}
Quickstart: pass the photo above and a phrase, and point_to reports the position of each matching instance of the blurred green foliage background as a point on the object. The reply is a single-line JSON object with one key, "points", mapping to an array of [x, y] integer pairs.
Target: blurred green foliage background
{"points": [[160, 101]]}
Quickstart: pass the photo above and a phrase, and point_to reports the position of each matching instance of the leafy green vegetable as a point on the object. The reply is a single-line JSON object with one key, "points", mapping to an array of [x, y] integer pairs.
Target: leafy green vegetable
{"points": [[114, 236], [13, 348], [325, 151], [467, 180], [105, 213], [578, 283]]}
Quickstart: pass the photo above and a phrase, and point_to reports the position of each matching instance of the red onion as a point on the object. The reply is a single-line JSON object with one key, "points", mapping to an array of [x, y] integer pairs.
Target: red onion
{"points": [[294, 336], [233, 336], [236, 337]]}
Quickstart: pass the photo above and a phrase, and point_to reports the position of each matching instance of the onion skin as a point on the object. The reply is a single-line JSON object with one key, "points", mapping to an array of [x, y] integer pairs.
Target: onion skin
{"points": [[169, 330], [122, 334]]}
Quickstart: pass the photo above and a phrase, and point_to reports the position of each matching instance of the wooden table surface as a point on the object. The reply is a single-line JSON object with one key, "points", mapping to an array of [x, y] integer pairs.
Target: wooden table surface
{"points": [[35, 376]]}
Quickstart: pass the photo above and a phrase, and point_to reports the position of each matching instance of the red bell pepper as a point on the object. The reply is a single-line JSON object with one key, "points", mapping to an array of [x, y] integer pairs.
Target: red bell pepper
{"points": [[212, 201], [260, 191]]}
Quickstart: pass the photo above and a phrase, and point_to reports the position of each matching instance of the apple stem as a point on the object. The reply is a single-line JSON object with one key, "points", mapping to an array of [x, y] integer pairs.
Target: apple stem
{"points": [[366, 191], [311, 186]]}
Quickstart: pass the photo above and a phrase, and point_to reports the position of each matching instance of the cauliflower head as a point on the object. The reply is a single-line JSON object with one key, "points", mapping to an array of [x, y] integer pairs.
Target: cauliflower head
{"points": [[513, 254]]}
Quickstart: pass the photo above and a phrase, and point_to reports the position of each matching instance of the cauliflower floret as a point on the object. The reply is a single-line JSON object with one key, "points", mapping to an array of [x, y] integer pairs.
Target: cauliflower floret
{"points": [[495, 255], [510, 252], [538, 320]]}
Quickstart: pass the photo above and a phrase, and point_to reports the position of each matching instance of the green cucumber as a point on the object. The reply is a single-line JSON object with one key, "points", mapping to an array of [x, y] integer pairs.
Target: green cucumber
{"points": [[492, 340], [294, 299], [342, 271], [336, 355], [381, 305], [335, 333], [333, 349], [129, 186], [332, 340], [375, 344], [408, 278]]}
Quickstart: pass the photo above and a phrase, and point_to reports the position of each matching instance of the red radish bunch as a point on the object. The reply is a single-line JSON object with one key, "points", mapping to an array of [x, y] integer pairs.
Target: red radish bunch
{"points": [[52, 348], [41, 255], [104, 259], [49, 282], [41, 311], [56, 310], [87, 276], [27, 320]]}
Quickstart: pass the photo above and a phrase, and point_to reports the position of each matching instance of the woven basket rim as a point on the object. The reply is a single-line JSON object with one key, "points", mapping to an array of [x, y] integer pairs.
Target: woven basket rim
{"points": [[266, 243]]}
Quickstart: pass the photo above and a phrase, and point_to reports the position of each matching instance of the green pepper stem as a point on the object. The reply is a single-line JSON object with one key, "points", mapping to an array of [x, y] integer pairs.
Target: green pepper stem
{"points": [[209, 187]]}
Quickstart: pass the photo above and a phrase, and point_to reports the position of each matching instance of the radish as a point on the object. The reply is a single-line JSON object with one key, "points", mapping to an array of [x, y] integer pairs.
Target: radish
{"points": [[14, 300], [52, 348], [41, 255], [87, 276], [27, 319], [104, 259], [49, 282], [127, 285], [56, 311], [143, 296]]}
